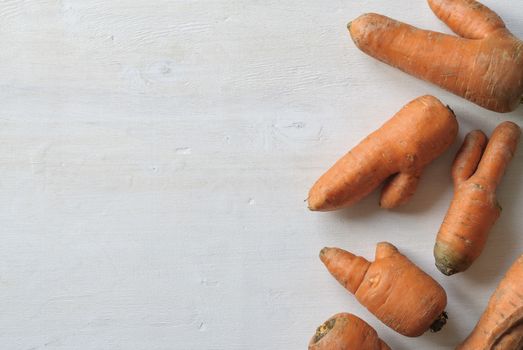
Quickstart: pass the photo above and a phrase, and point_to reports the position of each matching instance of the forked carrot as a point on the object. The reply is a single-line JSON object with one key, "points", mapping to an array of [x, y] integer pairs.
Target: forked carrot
{"points": [[399, 151], [483, 64], [474, 209], [395, 290]]}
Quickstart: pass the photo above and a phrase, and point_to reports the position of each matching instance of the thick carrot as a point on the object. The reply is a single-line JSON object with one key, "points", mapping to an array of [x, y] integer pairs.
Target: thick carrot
{"points": [[474, 208], [346, 332], [395, 290], [400, 150], [501, 325], [484, 64]]}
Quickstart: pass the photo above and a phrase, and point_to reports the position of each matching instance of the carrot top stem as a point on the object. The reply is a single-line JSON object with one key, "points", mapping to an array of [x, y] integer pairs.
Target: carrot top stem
{"points": [[439, 322], [323, 330]]}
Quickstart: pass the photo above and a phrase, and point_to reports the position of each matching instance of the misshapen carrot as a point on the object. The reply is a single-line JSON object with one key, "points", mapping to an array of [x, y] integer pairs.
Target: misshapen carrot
{"points": [[346, 332], [419, 133], [395, 290], [474, 209], [501, 325], [484, 64]]}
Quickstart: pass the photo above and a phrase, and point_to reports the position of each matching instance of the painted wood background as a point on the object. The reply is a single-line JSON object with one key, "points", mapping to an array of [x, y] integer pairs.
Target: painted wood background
{"points": [[155, 158]]}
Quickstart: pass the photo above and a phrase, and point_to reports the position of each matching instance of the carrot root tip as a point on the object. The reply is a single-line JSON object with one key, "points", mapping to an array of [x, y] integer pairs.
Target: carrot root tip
{"points": [[323, 253], [439, 323]]}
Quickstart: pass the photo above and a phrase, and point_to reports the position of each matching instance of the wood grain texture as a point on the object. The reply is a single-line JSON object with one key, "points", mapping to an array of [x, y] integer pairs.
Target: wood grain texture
{"points": [[155, 156]]}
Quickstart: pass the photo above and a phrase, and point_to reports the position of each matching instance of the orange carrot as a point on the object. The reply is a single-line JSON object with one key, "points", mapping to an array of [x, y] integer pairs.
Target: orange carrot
{"points": [[484, 64], [501, 325], [474, 209], [399, 150], [395, 290], [346, 332]]}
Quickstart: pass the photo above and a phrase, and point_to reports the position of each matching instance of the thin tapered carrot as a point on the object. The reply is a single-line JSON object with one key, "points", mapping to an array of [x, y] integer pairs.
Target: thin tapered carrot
{"points": [[501, 325], [395, 290], [399, 151], [345, 331], [474, 208], [484, 64]]}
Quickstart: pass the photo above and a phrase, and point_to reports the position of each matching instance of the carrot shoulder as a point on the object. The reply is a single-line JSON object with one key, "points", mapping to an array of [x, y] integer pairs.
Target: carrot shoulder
{"points": [[484, 64], [501, 325], [395, 290], [346, 332], [399, 150], [474, 208]]}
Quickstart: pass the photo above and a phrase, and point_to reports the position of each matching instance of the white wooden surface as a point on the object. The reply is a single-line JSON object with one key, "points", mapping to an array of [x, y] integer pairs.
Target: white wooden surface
{"points": [[155, 156]]}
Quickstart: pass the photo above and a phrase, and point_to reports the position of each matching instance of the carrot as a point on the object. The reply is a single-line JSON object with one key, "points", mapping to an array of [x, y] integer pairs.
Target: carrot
{"points": [[474, 208], [483, 64], [501, 325], [395, 290], [346, 332], [400, 150]]}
